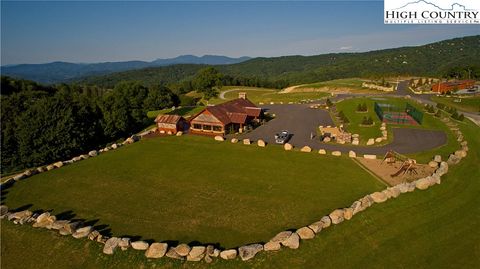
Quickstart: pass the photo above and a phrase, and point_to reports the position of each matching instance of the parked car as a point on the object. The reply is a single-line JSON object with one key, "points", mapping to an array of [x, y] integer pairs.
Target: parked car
{"points": [[282, 137]]}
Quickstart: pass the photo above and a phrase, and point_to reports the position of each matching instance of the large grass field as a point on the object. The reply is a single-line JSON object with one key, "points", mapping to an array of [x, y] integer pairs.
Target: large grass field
{"points": [[262, 95], [437, 228], [196, 189], [469, 104]]}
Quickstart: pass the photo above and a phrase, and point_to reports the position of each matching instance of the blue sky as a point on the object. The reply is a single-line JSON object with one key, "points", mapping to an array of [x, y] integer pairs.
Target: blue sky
{"points": [[94, 31]]}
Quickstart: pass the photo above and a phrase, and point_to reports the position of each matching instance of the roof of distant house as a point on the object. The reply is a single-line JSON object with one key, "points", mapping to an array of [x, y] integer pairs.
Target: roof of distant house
{"points": [[170, 119]]}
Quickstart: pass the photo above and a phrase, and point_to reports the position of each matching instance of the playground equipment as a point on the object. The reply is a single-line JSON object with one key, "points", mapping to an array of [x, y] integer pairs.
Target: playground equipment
{"points": [[392, 156], [408, 165], [398, 115]]}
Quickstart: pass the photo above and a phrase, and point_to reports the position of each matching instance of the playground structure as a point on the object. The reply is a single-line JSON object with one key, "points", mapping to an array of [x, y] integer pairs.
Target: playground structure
{"points": [[408, 165], [397, 115]]}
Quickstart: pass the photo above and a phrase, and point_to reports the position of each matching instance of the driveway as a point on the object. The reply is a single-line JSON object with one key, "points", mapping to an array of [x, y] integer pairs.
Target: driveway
{"points": [[302, 121]]}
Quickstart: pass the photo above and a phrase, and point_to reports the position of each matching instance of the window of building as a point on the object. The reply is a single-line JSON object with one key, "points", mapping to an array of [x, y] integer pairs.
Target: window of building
{"points": [[197, 126], [217, 128], [207, 127]]}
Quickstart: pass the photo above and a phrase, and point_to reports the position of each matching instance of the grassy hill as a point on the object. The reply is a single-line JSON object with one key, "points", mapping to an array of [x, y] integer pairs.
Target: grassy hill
{"points": [[436, 228], [435, 59]]}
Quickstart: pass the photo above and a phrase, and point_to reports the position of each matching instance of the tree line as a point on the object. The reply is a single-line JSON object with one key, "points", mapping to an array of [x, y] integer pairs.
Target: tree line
{"points": [[42, 124]]}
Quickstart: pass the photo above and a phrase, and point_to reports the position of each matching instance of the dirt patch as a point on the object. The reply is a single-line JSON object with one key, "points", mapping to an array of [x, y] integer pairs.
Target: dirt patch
{"points": [[385, 171]]}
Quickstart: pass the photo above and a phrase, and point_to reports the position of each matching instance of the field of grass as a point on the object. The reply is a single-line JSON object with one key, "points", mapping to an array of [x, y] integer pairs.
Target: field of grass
{"points": [[194, 188], [348, 83], [468, 104], [183, 111], [437, 228], [262, 95]]}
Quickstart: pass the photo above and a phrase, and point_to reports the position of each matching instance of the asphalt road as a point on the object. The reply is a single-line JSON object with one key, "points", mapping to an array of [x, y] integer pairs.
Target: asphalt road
{"points": [[301, 121]]}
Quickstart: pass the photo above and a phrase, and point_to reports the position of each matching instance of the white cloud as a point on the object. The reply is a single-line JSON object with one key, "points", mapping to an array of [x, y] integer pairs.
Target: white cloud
{"points": [[346, 48]]}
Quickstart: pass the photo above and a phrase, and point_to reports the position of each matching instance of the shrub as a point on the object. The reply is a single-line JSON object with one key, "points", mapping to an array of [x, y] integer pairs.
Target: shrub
{"points": [[440, 106], [329, 103], [438, 114], [367, 121]]}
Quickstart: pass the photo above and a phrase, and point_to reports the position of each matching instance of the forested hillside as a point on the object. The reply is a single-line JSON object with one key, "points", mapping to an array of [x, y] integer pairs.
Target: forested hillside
{"points": [[459, 57], [42, 124]]}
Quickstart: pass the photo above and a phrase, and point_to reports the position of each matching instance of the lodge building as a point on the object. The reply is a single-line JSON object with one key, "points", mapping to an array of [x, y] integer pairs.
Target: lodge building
{"points": [[228, 117], [444, 87]]}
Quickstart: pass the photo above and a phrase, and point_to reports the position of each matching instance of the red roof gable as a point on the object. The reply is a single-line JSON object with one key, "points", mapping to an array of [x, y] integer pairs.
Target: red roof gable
{"points": [[234, 111], [171, 119]]}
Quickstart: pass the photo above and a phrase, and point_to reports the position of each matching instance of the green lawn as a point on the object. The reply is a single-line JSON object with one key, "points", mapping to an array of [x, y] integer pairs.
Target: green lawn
{"points": [[350, 83], [468, 104], [193, 188], [262, 95], [437, 228], [183, 111]]}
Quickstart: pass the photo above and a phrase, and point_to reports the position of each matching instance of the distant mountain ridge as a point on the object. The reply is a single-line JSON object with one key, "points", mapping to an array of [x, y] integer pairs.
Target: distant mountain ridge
{"points": [[56, 72]]}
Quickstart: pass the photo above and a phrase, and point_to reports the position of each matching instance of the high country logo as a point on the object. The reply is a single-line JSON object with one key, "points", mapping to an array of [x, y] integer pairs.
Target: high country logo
{"points": [[432, 12]]}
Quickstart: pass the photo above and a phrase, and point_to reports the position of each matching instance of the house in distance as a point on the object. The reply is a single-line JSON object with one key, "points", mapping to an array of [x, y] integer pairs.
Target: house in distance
{"points": [[228, 117], [171, 124], [450, 86]]}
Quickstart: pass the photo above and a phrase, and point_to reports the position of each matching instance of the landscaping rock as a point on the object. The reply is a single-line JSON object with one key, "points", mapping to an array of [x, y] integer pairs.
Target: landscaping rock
{"points": [[348, 213], [124, 243], [327, 139], [58, 164], [261, 143], [288, 146], [306, 149], [316, 227], [129, 141], [422, 184], [249, 251], [110, 245], [357, 207], [336, 153], [461, 153], [44, 220], [182, 249], [453, 159], [70, 228], [370, 156], [21, 215], [82, 232], [179, 133], [171, 253], [228, 254], [114, 146], [281, 236], [19, 177], [93, 235], [3, 211], [437, 158], [93, 153], [378, 140], [394, 192], [293, 241], [41, 169], [403, 187], [156, 250], [234, 140], [327, 221], [378, 197], [433, 164], [50, 167], [219, 138], [352, 154], [322, 151], [271, 246], [442, 170], [370, 142], [355, 142], [139, 245], [196, 253], [337, 216], [305, 233], [246, 141], [216, 253]]}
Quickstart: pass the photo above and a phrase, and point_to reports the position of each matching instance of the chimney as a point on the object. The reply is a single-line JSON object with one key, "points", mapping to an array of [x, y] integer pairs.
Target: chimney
{"points": [[242, 95]]}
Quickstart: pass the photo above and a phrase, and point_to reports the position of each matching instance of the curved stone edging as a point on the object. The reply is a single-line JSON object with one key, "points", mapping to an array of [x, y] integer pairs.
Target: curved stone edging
{"points": [[288, 239]]}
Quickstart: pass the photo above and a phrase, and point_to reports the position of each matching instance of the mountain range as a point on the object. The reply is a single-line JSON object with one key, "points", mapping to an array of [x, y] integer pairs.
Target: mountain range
{"points": [[56, 72]]}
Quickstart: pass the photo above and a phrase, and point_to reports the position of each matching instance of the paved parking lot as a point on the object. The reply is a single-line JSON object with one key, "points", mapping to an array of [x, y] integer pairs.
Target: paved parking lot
{"points": [[301, 121]]}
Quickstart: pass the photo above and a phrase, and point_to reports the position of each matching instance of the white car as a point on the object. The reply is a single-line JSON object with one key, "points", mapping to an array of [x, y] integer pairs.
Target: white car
{"points": [[282, 137]]}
